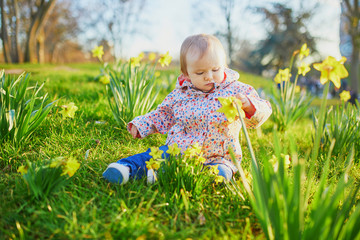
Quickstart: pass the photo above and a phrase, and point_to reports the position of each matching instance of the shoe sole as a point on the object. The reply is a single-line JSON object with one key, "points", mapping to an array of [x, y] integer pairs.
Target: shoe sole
{"points": [[113, 175]]}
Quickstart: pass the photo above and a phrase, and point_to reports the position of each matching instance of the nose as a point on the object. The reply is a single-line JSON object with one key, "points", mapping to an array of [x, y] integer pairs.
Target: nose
{"points": [[208, 76]]}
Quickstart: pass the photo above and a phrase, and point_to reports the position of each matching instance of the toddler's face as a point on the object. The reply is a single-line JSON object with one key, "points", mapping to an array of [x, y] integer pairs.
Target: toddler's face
{"points": [[207, 70]]}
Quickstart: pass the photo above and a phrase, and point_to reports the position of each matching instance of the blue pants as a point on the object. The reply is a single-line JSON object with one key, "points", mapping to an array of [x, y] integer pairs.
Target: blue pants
{"points": [[138, 169]]}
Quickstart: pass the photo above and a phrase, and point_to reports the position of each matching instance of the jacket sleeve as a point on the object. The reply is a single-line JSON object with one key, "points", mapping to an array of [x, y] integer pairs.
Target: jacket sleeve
{"points": [[159, 120], [262, 107]]}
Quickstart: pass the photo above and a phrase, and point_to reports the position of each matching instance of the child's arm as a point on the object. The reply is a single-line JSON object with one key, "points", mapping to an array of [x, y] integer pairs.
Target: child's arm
{"points": [[159, 120], [247, 106], [257, 110], [134, 131]]}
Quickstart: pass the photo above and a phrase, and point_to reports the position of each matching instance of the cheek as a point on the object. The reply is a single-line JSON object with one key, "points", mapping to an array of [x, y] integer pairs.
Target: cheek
{"points": [[194, 79], [219, 76]]}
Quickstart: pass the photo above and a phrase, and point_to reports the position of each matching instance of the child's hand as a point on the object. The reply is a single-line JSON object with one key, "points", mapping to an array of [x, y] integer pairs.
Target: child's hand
{"points": [[134, 132], [246, 104]]}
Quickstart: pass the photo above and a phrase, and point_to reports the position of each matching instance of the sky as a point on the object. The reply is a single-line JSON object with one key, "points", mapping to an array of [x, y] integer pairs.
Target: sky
{"points": [[169, 22]]}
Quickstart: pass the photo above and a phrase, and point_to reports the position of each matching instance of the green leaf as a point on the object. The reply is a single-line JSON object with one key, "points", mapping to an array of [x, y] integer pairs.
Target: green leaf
{"points": [[11, 118], [131, 92], [20, 113]]}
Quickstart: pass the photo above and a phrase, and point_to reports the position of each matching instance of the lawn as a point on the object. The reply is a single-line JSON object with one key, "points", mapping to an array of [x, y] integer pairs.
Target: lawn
{"points": [[90, 207]]}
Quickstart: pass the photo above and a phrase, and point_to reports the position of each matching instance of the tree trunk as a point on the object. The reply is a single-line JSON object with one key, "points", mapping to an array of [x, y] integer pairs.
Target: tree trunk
{"points": [[228, 6], [352, 14], [29, 47], [54, 53], [229, 41], [4, 35], [40, 46], [37, 22], [14, 38]]}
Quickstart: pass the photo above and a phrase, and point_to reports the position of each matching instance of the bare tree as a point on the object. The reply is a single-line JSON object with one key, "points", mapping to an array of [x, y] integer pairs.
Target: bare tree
{"points": [[30, 18], [351, 11], [114, 21], [226, 28], [39, 12], [15, 49], [4, 34], [287, 32], [9, 30], [61, 26], [230, 32], [58, 26]]}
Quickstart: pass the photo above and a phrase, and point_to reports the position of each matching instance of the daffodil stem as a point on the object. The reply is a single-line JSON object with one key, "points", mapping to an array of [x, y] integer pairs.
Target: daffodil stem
{"points": [[247, 137], [282, 91], [293, 89], [254, 162], [318, 135], [245, 182], [320, 126], [286, 83], [286, 88]]}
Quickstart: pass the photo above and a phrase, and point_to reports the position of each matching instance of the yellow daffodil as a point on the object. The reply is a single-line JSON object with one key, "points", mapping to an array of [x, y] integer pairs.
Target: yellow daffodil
{"points": [[304, 51], [201, 159], [22, 169], [173, 149], [141, 55], [214, 169], [165, 59], [153, 164], [332, 70], [98, 52], [105, 79], [192, 151], [135, 62], [196, 147], [141, 237], [283, 75], [303, 69], [229, 108], [156, 152], [69, 110], [57, 162], [70, 167], [219, 179], [345, 96], [157, 74], [152, 56]]}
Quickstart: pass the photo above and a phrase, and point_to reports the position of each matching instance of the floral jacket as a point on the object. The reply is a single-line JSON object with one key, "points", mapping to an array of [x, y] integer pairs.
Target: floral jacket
{"points": [[189, 116]]}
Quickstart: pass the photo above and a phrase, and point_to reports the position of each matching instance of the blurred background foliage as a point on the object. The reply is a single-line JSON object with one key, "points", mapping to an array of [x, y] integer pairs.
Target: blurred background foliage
{"points": [[64, 31]]}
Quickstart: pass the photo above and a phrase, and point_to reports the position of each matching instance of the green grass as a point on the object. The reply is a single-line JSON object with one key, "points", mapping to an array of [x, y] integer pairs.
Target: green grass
{"points": [[89, 207]]}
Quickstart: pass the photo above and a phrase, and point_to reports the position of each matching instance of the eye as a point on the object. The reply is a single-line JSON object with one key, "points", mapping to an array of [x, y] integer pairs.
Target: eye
{"points": [[216, 69], [199, 73]]}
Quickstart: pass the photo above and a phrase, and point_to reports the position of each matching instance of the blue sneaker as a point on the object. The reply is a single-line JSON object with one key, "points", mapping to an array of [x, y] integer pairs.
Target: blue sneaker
{"points": [[117, 173], [225, 171]]}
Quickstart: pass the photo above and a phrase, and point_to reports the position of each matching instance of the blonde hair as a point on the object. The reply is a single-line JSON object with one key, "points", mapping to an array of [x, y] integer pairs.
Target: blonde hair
{"points": [[200, 42]]}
